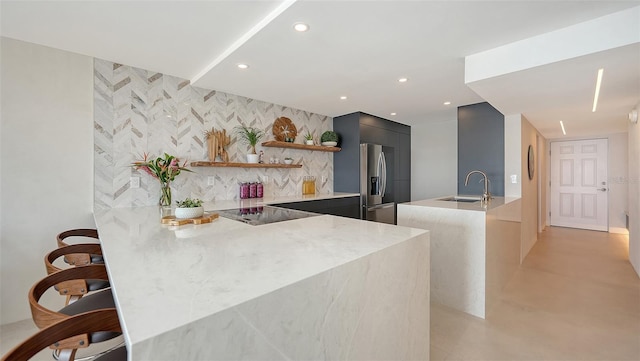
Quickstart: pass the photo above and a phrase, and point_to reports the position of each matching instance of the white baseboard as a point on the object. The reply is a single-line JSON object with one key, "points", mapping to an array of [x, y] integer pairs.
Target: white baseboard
{"points": [[618, 230]]}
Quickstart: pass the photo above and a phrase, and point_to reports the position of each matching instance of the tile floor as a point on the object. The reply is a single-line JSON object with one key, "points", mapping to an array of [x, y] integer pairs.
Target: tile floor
{"points": [[575, 297]]}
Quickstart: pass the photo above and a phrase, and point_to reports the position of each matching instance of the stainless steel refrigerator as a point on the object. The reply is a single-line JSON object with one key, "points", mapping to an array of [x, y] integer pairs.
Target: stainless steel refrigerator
{"points": [[376, 184]]}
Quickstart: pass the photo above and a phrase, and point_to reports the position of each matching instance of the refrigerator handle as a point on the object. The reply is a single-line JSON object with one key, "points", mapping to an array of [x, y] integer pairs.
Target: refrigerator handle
{"points": [[384, 174], [379, 175]]}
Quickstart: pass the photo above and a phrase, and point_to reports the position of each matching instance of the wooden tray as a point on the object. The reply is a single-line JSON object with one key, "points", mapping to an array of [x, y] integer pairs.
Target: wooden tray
{"points": [[173, 221]]}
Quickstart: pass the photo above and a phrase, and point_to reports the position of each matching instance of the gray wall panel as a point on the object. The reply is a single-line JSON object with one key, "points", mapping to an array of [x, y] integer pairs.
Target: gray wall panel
{"points": [[480, 147]]}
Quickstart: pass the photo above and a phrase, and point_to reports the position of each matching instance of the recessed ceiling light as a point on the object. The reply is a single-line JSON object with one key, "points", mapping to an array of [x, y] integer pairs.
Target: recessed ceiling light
{"points": [[393, 113], [343, 98], [402, 80], [447, 103], [562, 126], [243, 66], [598, 83], [301, 27]]}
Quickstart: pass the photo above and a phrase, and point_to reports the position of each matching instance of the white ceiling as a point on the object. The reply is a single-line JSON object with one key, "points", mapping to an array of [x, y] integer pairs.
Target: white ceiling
{"points": [[354, 48]]}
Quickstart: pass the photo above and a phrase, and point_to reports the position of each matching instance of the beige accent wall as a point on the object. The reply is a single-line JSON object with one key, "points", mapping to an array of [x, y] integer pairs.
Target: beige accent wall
{"points": [[46, 162], [519, 134], [529, 229], [634, 194]]}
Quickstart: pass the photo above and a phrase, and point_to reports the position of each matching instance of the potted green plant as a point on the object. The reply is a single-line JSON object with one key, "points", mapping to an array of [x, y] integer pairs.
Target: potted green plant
{"points": [[288, 160], [251, 136], [308, 138], [329, 138], [189, 208]]}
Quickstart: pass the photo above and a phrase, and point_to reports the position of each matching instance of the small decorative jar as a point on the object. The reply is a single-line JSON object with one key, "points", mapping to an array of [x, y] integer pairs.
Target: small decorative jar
{"points": [[308, 185], [244, 190], [259, 190], [253, 188]]}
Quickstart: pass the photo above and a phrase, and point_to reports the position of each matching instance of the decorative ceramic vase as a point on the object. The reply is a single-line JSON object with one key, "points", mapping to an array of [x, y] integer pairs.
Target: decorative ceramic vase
{"points": [[193, 212], [252, 158], [165, 194]]}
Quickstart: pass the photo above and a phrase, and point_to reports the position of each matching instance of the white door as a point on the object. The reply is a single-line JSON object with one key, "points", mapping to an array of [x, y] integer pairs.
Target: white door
{"points": [[579, 196]]}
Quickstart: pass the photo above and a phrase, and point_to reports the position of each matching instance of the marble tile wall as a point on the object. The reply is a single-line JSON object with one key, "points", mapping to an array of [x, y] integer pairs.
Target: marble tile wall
{"points": [[139, 111]]}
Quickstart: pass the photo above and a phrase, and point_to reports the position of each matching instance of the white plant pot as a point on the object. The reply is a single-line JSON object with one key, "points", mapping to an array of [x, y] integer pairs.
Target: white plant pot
{"points": [[252, 158], [309, 142], [193, 212]]}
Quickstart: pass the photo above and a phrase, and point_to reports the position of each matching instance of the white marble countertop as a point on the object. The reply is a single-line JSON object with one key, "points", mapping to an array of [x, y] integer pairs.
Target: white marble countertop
{"points": [[495, 202], [253, 202], [165, 277]]}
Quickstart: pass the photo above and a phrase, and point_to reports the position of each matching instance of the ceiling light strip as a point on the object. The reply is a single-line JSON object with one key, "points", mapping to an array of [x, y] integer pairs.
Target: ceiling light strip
{"points": [[597, 94], [244, 38], [562, 126]]}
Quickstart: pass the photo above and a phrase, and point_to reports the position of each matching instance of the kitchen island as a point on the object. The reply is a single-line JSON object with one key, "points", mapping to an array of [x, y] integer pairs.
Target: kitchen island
{"points": [[321, 287], [475, 248]]}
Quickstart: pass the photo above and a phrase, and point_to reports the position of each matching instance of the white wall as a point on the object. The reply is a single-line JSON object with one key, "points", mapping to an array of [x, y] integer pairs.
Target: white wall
{"points": [[434, 159], [618, 174], [542, 169], [512, 155], [46, 161], [634, 194]]}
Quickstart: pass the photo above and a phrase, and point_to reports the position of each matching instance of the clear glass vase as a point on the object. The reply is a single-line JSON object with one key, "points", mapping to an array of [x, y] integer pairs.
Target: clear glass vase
{"points": [[165, 194]]}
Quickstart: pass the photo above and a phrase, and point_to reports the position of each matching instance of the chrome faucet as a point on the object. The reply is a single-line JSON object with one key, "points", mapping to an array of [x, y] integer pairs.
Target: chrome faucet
{"points": [[486, 195]]}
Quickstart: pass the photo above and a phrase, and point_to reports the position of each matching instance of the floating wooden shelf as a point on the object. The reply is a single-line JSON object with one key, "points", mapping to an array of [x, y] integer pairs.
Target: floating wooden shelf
{"points": [[243, 165], [321, 148]]}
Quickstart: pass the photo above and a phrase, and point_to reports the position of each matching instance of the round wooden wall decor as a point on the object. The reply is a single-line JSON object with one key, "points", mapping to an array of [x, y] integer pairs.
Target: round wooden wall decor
{"points": [[531, 163], [284, 128]]}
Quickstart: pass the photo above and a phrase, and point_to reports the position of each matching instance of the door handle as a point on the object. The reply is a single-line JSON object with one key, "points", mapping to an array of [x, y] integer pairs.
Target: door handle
{"points": [[602, 189]]}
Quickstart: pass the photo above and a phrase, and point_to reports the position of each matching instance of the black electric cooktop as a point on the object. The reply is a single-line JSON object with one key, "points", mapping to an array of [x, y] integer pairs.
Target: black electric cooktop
{"points": [[262, 215]]}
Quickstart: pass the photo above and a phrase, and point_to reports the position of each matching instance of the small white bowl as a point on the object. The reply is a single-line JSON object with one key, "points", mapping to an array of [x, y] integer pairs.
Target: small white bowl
{"points": [[329, 144], [194, 212], [288, 161]]}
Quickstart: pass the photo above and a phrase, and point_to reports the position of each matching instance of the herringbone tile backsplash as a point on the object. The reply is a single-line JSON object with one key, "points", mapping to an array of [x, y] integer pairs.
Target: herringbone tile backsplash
{"points": [[138, 111]]}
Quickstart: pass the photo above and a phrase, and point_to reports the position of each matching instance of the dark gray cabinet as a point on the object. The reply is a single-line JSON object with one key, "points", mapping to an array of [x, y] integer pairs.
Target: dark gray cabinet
{"points": [[357, 128], [345, 207]]}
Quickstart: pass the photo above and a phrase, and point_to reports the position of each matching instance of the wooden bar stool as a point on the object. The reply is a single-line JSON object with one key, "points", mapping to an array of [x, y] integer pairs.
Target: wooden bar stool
{"points": [[67, 281], [79, 259], [75, 293], [72, 332], [72, 280]]}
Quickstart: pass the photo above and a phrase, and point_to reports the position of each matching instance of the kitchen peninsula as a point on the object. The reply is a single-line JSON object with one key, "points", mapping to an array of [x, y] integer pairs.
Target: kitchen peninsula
{"points": [[475, 248], [322, 287]]}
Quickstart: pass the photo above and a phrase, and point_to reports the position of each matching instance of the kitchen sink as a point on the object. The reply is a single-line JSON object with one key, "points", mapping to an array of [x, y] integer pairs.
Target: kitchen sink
{"points": [[466, 199]]}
